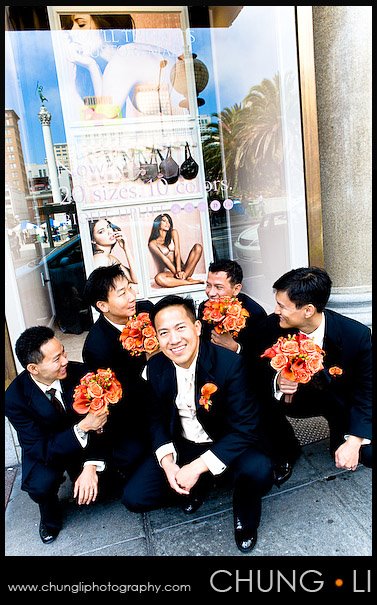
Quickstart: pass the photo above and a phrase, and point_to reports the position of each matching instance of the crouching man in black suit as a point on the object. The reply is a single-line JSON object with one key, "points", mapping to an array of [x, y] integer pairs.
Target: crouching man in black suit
{"points": [[204, 423], [52, 436]]}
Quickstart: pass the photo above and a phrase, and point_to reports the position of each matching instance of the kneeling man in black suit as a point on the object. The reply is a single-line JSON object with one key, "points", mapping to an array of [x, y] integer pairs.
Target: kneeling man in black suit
{"points": [[204, 422], [52, 436]]}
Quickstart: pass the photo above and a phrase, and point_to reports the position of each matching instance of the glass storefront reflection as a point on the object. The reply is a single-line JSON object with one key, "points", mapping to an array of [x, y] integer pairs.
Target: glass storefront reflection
{"points": [[231, 78]]}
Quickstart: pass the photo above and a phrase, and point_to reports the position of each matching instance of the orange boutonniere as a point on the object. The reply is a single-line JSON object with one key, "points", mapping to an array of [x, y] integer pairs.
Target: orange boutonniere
{"points": [[207, 390], [335, 371]]}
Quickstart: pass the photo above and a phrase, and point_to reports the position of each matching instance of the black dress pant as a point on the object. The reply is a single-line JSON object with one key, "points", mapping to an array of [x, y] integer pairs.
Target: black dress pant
{"points": [[251, 474], [42, 484], [319, 403]]}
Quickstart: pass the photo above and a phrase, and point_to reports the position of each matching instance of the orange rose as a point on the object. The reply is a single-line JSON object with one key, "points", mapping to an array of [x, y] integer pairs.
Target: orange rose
{"points": [[307, 346], [335, 371], [148, 331], [96, 405], [94, 389], [290, 347], [234, 309], [113, 393], [143, 317], [151, 344], [230, 323], [279, 361], [314, 363]]}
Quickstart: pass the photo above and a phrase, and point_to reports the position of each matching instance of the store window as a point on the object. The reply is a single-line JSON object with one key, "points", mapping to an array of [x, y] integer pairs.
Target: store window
{"points": [[184, 118]]}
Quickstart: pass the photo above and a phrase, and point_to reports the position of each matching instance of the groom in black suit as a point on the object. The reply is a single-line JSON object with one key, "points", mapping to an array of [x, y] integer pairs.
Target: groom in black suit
{"points": [[204, 423], [109, 292], [52, 436], [342, 390]]}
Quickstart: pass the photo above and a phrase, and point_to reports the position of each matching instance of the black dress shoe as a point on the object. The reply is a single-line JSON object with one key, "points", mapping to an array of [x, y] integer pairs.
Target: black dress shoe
{"points": [[245, 540], [48, 534], [192, 505], [282, 472]]}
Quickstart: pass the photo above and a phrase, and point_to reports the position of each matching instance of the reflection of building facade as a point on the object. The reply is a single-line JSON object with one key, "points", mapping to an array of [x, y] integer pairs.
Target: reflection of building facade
{"points": [[62, 155], [204, 121], [15, 174]]}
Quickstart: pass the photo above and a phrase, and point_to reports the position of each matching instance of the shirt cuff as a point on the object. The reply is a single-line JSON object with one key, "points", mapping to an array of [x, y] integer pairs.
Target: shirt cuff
{"points": [[215, 465], [277, 392], [98, 463], [163, 450], [81, 436], [365, 441]]}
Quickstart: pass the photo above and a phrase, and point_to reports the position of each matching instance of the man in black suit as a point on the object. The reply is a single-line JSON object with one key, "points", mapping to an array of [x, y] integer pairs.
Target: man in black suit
{"points": [[108, 290], [344, 399], [225, 279], [199, 432], [53, 438]]}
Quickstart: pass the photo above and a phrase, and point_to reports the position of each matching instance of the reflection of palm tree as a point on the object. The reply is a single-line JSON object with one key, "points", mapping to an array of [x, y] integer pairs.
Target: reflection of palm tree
{"points": [[252, 138], [224, 132]]}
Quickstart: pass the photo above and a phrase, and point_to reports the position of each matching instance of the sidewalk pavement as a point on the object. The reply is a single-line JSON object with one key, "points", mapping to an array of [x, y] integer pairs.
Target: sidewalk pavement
{"points": [[320, 511]]}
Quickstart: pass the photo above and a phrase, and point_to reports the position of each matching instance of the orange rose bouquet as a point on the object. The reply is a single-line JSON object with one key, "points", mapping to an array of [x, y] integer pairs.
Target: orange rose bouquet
{"points": [[139, 336], [227, 315], [96, 391], [296, 357]]}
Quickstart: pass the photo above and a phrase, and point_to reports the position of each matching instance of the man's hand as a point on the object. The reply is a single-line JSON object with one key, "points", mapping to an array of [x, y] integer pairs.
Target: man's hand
{"points": [[93, 422], [224, 340], [189, 474], [171, 469], [86, 485], [347, 455]]}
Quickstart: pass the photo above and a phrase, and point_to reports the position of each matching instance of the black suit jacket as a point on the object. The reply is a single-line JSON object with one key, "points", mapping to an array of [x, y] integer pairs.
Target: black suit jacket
{"points": [[231, 422], [247, 335], [348, 345], [45, 435], [103, 349]]}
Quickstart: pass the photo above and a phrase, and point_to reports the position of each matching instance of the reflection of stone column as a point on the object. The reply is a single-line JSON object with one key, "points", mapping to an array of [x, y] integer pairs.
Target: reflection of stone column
{"points": [[343, 56], [45, 119]]}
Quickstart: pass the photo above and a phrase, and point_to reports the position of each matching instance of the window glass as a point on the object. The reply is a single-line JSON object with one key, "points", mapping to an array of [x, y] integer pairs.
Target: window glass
{"points": [[192, 114]]}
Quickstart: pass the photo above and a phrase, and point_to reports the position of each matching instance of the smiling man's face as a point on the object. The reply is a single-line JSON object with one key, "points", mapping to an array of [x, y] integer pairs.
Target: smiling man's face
{"points": [[178, 334]]}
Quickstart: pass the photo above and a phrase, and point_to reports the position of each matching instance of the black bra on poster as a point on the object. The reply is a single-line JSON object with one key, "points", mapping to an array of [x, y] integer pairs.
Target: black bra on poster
{"points": [[189, 168]]}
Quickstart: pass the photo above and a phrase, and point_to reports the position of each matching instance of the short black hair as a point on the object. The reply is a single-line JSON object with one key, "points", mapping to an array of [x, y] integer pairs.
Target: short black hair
{"points": [[172, 300], [232, 269], [306, 285], [100, 282], [28, 345]]}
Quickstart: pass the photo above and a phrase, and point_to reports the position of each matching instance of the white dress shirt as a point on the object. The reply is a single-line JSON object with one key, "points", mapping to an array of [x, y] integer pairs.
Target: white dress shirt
{"points": [[191, 427]]}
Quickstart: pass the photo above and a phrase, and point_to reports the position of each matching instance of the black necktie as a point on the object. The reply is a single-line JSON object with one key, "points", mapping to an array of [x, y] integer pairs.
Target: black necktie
{"points": [[55, 401]]}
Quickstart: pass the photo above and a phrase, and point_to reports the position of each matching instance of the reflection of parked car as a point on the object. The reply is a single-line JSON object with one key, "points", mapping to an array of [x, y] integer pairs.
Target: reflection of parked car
{"points": [[274, 244], [67, 277], [247, 244]]}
